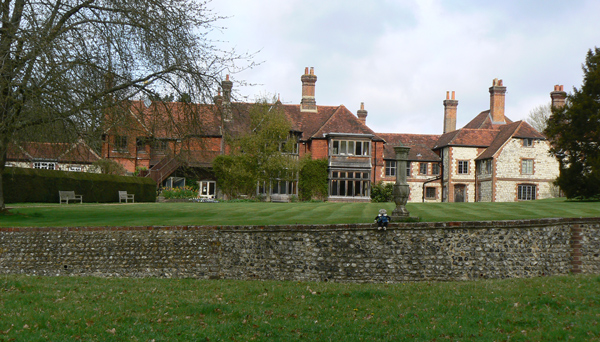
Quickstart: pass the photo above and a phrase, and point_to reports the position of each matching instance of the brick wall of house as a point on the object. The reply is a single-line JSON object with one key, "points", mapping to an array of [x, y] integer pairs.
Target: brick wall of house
{"points": [[440, 251], [509, 175], [319, 149]]}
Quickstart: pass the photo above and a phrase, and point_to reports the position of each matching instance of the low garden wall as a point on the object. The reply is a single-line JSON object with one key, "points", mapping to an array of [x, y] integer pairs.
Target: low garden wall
{"points": [[340, 253]]}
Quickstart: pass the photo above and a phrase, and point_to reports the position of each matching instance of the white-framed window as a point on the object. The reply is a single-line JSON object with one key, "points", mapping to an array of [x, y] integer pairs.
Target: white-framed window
{"points": [[390, 168], [407, 169], [423, 168], [430, 192], [527, 142], [463, 167], [44, 165], [526, 192], [75, 168], [350, 184], [351, 148], [207, 189], [526, 166]]}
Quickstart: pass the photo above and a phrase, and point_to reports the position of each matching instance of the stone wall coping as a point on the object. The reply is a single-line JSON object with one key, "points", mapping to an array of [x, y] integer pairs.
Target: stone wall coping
{"points": [[327, 227]]}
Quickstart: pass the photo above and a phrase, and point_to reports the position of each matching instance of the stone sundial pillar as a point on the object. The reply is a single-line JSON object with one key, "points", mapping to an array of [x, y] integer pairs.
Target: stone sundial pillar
{"points": [[401, 188]]}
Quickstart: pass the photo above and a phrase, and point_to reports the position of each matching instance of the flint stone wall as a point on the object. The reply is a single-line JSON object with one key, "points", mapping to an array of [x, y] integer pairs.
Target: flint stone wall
{"points": [[340, 253]]}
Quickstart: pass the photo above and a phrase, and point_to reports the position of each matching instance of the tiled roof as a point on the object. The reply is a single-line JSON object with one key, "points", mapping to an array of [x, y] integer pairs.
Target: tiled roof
{"points": [[484, 121], [341, 121], [60, 152], [161, 120], [467, 137], [518, 129], [421, 145]]}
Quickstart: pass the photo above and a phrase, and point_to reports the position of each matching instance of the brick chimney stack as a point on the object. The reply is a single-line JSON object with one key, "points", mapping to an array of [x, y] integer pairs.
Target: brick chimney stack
{"points": [[362, 113], [227, 85], [308, 103], [450, 105], [558, 96], [497, 99]]}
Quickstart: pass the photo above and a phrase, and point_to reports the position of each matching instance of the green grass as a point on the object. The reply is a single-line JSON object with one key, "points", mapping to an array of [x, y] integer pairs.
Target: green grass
{"points": [[157, 214], [98, 309]]}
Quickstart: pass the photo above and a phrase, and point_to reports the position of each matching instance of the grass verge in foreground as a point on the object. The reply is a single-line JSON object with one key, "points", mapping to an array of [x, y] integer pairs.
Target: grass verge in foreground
{"points": [[162, 214], [99, 309]]}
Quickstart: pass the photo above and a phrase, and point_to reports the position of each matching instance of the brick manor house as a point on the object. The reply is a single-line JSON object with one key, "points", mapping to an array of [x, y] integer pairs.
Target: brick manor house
{"points": [[490, 159]]}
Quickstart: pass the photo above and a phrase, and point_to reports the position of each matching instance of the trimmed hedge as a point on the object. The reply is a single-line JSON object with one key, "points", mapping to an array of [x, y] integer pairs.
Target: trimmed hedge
{"points": [[32, 185]]}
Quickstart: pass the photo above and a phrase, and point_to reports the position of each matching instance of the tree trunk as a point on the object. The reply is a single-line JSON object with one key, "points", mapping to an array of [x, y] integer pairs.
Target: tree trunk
{"points": [[3, 149]]}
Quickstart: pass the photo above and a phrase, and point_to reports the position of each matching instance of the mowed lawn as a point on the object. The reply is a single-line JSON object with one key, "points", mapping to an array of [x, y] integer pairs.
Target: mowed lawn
{"points": [[560, 308], [253, 213]]}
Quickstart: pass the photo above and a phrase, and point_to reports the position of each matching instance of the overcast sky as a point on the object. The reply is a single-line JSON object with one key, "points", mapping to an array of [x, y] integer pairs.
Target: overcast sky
{"points": [[400, 57]]}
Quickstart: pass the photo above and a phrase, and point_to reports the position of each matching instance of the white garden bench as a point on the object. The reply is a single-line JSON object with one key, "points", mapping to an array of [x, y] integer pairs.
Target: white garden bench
{"points": [[66, 196], [123, 195]]}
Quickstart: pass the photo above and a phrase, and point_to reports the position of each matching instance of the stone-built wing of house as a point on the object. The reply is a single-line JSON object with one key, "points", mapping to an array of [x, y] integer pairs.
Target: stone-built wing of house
{"points": [[492, 158]]}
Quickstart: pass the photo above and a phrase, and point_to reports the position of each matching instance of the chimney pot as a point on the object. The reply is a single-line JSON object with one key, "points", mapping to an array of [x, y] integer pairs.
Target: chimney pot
{"points": [[306, 71], [448, 95], [312, 70], [453, 94]]}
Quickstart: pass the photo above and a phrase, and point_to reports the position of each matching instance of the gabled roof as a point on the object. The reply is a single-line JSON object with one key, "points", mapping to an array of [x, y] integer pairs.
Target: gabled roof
{"points": [[421, 146], [467, 137], [78, 152], [161, 120], [341, 121], [518, 129], [484, 121]]}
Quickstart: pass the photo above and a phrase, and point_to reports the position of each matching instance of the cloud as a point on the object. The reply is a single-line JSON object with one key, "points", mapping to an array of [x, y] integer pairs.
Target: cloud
{"points": [[400, 57]]}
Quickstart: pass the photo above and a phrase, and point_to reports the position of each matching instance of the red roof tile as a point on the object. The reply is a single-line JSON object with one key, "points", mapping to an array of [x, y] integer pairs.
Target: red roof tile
{"points": [[519, 129], [60, 152], [421, 145], [484, 121], [467, 137]]}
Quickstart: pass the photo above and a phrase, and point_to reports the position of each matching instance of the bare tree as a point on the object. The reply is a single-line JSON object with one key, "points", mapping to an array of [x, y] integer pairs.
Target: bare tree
{"points": [[64, 62], [538, 117]]}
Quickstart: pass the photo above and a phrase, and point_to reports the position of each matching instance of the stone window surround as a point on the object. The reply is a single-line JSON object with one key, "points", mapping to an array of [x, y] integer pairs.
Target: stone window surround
{"points": [[528, 142]]}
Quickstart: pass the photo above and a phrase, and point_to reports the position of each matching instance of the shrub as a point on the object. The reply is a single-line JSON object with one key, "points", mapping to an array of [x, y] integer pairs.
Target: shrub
{"points": [[34, 185], [110, 167], [185, 192], [382, 192], [313, 179]]}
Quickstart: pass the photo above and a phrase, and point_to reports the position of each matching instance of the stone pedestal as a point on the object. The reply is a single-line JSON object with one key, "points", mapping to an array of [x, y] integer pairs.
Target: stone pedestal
{"points": [[401, 188]]}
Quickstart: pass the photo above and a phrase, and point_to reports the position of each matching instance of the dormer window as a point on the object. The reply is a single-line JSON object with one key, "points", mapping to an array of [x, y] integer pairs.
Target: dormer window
{"points": [[527, 142]]}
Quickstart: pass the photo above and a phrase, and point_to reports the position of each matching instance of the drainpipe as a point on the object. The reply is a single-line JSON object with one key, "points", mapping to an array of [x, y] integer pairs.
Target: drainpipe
{"points": [[429, 181]]}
